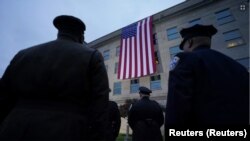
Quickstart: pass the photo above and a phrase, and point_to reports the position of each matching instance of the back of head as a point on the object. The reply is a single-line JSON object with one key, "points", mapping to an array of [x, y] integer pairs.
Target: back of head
{"points": [[144, 91], [206, 31], [69, 25], [202, 40]]}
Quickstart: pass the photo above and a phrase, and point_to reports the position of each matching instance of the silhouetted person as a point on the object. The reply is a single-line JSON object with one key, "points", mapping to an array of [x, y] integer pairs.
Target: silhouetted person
{"points": [[206, 87], [145, 117], [114, 121], [55, 91]]}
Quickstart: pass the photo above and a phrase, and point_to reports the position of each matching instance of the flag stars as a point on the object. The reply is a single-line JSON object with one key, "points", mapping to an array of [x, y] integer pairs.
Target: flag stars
{"points": [[129, 31]]}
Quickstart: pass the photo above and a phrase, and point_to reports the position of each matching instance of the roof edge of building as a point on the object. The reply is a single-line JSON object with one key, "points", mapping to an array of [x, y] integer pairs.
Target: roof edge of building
{"points": [[157, 18]]}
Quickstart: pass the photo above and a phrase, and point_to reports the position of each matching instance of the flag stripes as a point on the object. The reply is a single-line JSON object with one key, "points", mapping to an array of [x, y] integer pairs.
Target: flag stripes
{"points": [[137, 51]]}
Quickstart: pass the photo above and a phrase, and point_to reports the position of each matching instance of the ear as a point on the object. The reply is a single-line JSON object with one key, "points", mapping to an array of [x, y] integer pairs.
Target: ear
{"points": [[190, 43]]}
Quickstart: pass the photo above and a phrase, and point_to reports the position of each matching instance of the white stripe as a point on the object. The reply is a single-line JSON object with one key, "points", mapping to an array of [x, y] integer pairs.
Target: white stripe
{"points": [[138, 50], [149, 47], [122, 60], [127, 63], [133, 57], [144, 49]]}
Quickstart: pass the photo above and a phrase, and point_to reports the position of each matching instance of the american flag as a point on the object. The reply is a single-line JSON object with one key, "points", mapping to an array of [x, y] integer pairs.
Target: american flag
{"points": [[137, 50]]}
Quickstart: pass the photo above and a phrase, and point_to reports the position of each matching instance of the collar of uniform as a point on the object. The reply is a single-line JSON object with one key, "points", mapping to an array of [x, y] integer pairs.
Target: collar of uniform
{"points": [[201, 47], [145, 97], [67, 36]]}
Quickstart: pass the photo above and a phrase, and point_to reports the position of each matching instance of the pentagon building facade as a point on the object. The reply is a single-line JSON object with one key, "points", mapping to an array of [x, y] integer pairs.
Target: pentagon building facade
{"points": [[230, 17]]}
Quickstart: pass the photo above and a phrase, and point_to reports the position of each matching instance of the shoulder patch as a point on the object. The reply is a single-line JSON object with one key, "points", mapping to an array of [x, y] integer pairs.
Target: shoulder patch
{"points": [[174, 63]]}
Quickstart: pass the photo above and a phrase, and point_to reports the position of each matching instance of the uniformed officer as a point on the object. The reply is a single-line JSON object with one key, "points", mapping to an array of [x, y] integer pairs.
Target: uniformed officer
{"points": [[145, 117], [206, 87], [57, 90]]}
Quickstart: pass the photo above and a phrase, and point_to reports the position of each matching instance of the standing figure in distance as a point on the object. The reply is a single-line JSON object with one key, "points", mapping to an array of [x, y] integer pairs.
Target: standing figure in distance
{"points": [[206, 87], [56, 90], [114, 123], [145, 117]]}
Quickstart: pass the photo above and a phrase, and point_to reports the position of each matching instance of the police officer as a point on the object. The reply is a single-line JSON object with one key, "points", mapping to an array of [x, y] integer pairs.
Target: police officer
{"points": [[114, 121], [55, 91], [206, 87], [145, 117]]}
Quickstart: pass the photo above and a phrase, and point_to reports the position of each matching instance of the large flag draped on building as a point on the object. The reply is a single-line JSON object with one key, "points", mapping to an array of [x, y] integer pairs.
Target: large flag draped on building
{"points": [[137, 50]]}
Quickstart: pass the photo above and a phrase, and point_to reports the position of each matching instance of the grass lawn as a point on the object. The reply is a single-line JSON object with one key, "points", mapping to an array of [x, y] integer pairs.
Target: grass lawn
{"points": [[121, 137]]}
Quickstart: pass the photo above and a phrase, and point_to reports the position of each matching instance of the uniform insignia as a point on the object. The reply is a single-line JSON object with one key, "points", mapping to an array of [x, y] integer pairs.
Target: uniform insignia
{"points": [[174, 63]]}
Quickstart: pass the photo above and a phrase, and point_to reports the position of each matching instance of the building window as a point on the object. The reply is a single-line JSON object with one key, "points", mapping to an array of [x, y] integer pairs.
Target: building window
{"points": [[116, 67], [233, 38], [134, 86], [117, 51], [155, 38], [173, 33], [244, 62], [106, 54], [156, 58], [195, 21], [224, 16], [117, 88], [155, 82], [173, 51]]}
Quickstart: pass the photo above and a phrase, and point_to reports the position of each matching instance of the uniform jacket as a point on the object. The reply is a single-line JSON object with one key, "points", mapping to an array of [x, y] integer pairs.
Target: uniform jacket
{"points": [[54, 91], [207, 88], [145, 117]]}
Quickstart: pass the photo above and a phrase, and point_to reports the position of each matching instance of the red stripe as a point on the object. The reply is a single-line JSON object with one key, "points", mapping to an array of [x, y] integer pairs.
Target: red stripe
{"points": [[146, 48], [152, 45], [136, 75], [130, 58], [140, 35], [125, 60]]}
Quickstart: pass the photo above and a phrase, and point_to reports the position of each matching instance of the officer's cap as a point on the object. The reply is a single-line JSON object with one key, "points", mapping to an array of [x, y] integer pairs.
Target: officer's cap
{"points": [[197, 30], [69, 23], [144, 90]]}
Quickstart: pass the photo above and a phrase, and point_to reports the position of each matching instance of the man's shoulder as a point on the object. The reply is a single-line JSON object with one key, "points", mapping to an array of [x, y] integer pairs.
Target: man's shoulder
{"points": [[183, 58], [155, 102], [186, 56], [183, 55], [31, 49], [113, 104]]}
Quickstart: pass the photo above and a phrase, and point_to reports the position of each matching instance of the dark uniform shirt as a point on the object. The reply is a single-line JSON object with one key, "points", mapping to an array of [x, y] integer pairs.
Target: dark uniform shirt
{"points": [[145, 117], [54, 91], [207, 88]]}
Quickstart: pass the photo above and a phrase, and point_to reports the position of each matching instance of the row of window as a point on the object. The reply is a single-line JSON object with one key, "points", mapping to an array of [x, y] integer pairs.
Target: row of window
{"points": [[232, 38], [155, 84], [223, 17], [155, 81], [106, 53]]}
